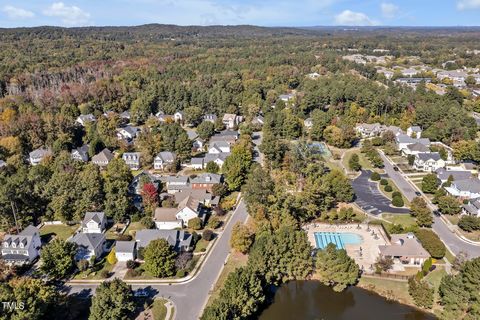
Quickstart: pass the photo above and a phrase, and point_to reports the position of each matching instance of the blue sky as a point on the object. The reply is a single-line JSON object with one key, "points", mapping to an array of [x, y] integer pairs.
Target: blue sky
{"points": [[19, 13]]}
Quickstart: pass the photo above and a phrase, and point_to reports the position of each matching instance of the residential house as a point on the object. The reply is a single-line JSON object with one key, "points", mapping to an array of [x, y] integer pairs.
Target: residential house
{"points": [[395, 130], [231, 120], [408, 72], [404, 140], [132, 159], [229, 136], [465, 189], [37, 155], [367, 130], [88, 245], [2, 163], [188, 209], [165, 118], [313, 75], [175, 184], [205, 198], [287, 97], [166, 219], [456, 175], [308, 123], [85, 119], [178, 239], [125, 115], [218, 158], [23, 248], [135, 186], [196, 163], [258, 120], [178, 116], [164, 160], [472, 208], [94, 222], [210, 117], [197, 143], [414, 149], [80, 153], [219, 147], [103, 158], [206, 181], [469, 166], [125, 250], [428, 161], [127, 133], [406, 249], [414, 132]]}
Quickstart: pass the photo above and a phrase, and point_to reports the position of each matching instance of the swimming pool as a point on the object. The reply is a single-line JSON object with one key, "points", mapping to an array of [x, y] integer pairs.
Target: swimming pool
{"points": [[340, 239]]}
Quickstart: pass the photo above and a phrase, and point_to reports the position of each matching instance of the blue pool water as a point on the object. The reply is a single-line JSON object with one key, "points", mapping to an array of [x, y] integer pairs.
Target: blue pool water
{"points": [[340, 239]]}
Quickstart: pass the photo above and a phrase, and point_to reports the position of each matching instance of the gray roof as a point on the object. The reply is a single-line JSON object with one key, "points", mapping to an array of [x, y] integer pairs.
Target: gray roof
{"points": [[403, 138], [429, 156], [166, 156], [125, 246], [418, 147], [199, 194], [131, 155], [219, 144], [103, 156], [39, 153], [416, 129], [471, 185], [88, 240], [404, 245], [456, 175], [196, 161], [125, 115], [95, 216], [29, 231], [179, 179], [175, 238], [209, 178], [82, 151], [131, 130], [214, 156], [192, 134]]}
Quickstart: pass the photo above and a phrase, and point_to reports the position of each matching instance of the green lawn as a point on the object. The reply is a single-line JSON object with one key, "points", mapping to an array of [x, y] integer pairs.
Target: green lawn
{"points": [[394, 188], [235, 260], [159, 309], [61, 231], [133, 227], [434, 278], [386, 287], [449, 256], [401, 219], [362, 159], [201, 245], [90, 275]]}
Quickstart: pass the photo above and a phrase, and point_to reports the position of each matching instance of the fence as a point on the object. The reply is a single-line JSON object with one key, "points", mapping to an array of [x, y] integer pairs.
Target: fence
{"points": [[388, 276]]}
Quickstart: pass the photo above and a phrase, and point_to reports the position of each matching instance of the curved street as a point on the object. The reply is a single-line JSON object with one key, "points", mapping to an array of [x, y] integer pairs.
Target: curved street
{"points": [[191, 296]]}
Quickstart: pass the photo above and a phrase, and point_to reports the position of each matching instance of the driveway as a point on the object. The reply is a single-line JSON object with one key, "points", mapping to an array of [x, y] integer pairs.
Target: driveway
{"points": [[370, 199], [454, 243], [189, 297]]}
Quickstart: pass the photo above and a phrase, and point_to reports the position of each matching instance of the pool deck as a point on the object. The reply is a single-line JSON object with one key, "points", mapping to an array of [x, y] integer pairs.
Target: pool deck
{"points": [[369, 244]]}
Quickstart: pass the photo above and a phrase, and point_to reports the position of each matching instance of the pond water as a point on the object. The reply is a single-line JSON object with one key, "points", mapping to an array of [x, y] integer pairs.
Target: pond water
{"points": [[310, 300]]}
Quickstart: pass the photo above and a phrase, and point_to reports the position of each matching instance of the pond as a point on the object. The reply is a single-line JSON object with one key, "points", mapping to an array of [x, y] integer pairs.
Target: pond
{"points": [[310, 300]]}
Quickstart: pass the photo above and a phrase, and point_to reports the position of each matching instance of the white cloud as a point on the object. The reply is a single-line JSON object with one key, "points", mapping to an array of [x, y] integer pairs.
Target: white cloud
{"points": [[351, 18], [70, 15], [389, 10], [17, 13], [468, 4]]}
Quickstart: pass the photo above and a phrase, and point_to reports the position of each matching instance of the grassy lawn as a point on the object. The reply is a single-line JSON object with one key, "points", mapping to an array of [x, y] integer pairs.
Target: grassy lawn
{"points": [[449, 256], [201, 245], [434, 278], [389, 288], [60, 230], [394, 189], [159, 309], [401, 219], [235, 260], [89, 275], [362, 159], [133, 227]]}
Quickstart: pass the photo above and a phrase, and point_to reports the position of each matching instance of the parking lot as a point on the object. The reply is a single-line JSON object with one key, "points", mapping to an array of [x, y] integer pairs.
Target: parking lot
{"points": [[370, 199]]}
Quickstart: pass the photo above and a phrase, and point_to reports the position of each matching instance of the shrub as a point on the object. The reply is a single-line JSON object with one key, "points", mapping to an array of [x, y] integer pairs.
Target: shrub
{"points": [[182, 260], [83, 265], [469, 223], [421, 292], [147, 222], [132, 273], [131, 264], [388, 188], [104, 274], [213, 222], [396, 194], [427, 266], [207, 235], [431, 242], [375, 176], [195, 223], [397, 202], [181, 273], [384, 182], [111, 258], [124, 237], [219, 211]]}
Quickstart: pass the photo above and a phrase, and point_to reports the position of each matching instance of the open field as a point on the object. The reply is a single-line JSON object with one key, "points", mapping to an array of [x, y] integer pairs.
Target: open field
{"points": [[61, 231]]}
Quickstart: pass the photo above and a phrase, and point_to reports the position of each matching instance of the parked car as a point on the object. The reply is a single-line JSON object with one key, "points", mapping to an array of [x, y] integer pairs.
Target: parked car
{"points": [[395, 168], [418, 194]]}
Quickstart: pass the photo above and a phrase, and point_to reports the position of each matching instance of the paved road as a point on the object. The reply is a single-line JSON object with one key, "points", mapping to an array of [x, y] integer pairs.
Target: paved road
{"points": [[257, 140], [370, 199], [453, 242], [190, 297]]}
